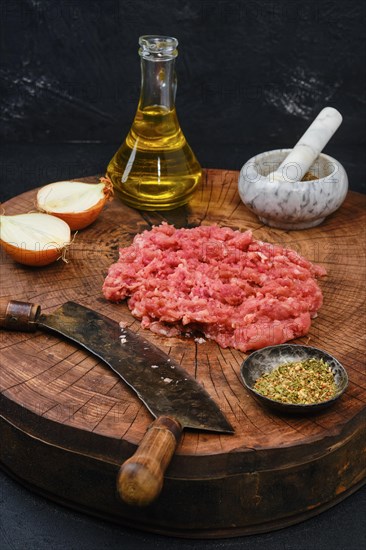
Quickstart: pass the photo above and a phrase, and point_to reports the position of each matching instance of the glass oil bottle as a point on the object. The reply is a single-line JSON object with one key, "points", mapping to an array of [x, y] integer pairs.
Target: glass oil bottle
{"points": [[155, 168]]}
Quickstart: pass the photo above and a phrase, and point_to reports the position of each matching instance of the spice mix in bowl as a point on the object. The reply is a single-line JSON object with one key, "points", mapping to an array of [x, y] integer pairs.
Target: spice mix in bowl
{"points": [[294, 378]]}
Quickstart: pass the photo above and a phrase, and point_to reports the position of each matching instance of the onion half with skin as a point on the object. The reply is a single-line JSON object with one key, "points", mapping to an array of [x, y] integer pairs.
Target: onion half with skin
{"points": [[34, 239], [77, 203]]}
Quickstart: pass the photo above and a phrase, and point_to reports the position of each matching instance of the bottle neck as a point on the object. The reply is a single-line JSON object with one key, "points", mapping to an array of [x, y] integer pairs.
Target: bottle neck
{"points": [[158, 84], [158, 79]]}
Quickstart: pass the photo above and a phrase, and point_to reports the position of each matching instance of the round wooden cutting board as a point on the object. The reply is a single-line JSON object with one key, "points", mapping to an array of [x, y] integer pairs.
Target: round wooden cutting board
{"points": [[67, 422]]}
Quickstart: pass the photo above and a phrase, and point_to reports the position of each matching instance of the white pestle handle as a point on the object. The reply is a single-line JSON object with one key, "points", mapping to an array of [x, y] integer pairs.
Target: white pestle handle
{"points": [[309, 146]]}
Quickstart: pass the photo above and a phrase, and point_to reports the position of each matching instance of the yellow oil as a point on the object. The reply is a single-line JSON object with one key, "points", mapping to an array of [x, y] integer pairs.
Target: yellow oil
{"points": [[155, 169]]}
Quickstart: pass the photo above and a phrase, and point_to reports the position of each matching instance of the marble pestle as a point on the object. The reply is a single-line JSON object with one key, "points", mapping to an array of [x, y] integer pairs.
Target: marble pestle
{"points": [[307, 149]]}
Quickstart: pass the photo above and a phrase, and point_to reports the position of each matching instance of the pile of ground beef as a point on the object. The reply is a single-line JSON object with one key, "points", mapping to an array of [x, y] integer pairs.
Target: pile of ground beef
{"points": [[235, 290]]}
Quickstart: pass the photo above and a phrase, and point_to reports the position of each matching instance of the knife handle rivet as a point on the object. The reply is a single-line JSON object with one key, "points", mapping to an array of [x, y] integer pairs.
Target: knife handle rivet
{"points": [[20, 316]]}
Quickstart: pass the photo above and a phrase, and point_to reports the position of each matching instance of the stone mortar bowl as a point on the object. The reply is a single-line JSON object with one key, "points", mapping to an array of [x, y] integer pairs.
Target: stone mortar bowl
{"points": [[287, 204]]}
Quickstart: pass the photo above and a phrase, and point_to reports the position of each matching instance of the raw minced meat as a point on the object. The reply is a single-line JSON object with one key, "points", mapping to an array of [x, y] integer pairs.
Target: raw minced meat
{"points": [[233, 289]]}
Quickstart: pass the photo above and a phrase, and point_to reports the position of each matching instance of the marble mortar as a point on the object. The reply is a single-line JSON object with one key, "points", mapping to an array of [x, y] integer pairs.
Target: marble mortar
{"points": [[287, 204]]}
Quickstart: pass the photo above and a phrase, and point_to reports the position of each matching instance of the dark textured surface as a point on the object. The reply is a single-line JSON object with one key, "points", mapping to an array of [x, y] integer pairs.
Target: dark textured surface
{"points": [[29, 522], [251, 77]]}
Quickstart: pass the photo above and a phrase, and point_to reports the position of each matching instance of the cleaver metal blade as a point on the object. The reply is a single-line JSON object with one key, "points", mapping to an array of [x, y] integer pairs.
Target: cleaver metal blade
{"points": [[174, 397]]}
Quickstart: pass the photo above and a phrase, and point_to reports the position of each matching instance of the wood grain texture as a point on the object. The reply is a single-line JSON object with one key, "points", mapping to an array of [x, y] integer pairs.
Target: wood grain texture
{"points": [[61, 400]]}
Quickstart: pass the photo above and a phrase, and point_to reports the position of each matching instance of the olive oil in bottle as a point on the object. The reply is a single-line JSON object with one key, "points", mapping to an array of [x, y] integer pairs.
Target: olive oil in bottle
{"points": [[155, 168]]}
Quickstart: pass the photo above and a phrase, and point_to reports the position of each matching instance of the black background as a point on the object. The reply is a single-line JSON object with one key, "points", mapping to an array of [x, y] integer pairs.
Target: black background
{"points": [[251, 77]]}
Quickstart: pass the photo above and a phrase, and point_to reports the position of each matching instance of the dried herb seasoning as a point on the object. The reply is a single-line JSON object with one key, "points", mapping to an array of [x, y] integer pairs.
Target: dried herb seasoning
{"points": [[300, 382], [309, 177]]}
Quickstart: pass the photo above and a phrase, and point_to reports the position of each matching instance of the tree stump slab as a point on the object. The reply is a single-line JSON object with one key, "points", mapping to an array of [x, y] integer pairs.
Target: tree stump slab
{"points": [[67, 422]]}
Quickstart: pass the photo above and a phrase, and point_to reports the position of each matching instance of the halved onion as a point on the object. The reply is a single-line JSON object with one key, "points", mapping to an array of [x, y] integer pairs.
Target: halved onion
{"points": [[34, 239], [75, 202]]}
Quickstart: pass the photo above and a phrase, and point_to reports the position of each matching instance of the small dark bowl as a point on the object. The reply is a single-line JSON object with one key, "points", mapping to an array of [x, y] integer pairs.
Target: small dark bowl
{"points": [[267, 359]]}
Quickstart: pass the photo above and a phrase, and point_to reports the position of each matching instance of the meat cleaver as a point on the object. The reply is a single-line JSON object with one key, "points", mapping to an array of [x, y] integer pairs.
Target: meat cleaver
{"points": [[175, 398]]}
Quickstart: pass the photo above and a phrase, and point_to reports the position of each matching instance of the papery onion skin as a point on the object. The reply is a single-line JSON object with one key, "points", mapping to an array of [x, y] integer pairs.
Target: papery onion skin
{"points": [[34, 239], [82, 219], [35, 258]]}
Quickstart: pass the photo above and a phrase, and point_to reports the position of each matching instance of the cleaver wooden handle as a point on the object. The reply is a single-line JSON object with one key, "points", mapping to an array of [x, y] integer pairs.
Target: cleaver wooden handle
{"points": [[20, 316], [140, 478]]}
